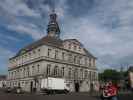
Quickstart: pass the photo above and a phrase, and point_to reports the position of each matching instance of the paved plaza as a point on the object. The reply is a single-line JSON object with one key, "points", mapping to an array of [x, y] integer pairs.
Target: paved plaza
{"points": [[72, 96]]}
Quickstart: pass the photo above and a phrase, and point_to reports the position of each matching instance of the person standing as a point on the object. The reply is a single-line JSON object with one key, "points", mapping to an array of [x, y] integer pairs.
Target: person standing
{"points": [[106, 94], [113, 90]]}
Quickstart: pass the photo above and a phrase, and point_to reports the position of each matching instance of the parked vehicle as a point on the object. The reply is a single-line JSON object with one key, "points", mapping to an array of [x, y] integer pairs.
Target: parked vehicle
{"points": [[54, 85], [13, 90], [8, 90]]}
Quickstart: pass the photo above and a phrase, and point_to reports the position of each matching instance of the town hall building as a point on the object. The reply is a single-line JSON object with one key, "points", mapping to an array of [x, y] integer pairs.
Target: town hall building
{"points": [[52, 56]]}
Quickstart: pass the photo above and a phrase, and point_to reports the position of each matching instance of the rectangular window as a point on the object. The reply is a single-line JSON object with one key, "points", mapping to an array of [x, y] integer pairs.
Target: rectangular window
{"points": [[56, 71], [89, 62], [90, 76], [11, 75], [94, 62], [56, 54], [63, 56], [86, 74], [24, 72], [49, 50], [48, 70], [70, 73], [79, 60], [70, 57], [14, 74], [62, 73], [38, 68], [74, 59], [18, 74], [76, 74], [33, 68], [28, 72], [81, 71], [39, 52], [85, 61]]}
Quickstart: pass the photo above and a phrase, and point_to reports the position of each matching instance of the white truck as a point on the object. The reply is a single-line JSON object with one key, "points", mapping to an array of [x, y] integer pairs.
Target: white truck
{"points": [[52, 85]]}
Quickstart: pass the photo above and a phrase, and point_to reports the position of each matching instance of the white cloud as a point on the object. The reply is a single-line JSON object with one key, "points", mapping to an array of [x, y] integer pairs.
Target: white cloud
{"points": [[18, 8], [8, 37], [107, 38], [5, 54], [29, 29], [106, 31]]}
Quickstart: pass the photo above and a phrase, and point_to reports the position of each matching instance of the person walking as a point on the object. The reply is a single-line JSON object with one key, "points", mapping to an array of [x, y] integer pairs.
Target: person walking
{"points": [[109, 92]]}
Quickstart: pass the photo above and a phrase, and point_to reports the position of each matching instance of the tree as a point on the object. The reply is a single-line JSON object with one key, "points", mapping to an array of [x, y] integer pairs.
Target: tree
{"points": [[110, 74]]}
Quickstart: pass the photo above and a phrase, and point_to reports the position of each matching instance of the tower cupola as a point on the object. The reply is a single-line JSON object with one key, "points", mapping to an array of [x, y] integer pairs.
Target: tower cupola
{"points": [[53, 28]]}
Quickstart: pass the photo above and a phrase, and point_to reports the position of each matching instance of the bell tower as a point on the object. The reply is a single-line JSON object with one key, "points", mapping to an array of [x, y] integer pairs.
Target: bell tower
{"points": [[53, 27]]}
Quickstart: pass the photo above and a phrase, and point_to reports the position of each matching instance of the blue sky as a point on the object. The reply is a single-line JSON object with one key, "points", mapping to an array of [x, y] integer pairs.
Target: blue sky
{"points": [[103, 26]]}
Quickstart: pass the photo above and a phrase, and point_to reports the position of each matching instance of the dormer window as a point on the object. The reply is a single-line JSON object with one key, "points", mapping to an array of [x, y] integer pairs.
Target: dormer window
{"points": [[29, 53], [39, 50], [34, 51], [75, 47], [79, 48], [23, 51], [69, 46]]}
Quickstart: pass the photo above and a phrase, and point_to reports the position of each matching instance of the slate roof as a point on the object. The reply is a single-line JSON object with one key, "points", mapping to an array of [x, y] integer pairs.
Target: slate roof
{"points": [[47, 40], [52, 41]]}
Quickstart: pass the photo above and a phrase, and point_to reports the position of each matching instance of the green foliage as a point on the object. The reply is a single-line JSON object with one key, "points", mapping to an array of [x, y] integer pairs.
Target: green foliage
{"points": [[110, 74]]}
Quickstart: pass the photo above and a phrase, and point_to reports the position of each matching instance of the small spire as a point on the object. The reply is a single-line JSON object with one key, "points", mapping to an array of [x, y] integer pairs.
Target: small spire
{"points": [[53, 10]]}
